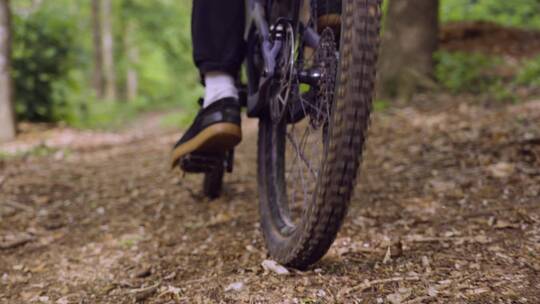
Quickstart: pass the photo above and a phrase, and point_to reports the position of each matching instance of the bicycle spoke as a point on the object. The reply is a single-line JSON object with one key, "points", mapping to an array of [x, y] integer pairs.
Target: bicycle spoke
{"points": [[302, 156], [304, 137]]}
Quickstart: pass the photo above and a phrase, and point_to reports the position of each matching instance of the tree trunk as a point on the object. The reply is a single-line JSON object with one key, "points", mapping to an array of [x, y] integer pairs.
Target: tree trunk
{"points": [[7, 116], [132, 77], [108, 52], [409, 41], [98, 49]]}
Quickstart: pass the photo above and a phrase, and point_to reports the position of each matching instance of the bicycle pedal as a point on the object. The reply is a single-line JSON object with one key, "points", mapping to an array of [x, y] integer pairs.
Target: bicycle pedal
{"points": [[229, 161], [201, 162]]}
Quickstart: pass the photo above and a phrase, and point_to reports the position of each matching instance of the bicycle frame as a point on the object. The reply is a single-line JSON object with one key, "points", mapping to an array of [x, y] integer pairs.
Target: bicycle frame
{"points": [[269, 48]]}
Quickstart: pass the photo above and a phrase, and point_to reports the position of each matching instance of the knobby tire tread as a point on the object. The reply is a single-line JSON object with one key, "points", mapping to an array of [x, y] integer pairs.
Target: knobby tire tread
{"points": [[349, 124]]}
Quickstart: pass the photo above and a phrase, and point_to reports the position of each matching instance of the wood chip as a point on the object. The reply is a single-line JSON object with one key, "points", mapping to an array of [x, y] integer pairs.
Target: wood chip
{"points": [[502, 170], [16, 242], [387, 256], [274, 267], [237, 286], [144, 293], [368, 284], [19, 206], [503, 224], [143, 272]]}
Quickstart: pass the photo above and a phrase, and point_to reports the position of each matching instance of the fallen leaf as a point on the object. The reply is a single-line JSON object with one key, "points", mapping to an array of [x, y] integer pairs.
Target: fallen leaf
{"points": [[141, 294], [142, 272], [15, 241], [395, 298], [503, 224], [273, 266], [387, 256], [237, 286], [478, 291], [501, 169]]}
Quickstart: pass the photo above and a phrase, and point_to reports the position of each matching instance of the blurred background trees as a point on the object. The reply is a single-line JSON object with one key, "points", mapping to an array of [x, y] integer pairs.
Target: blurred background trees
{"points": [[413, 60], [409, 41], [96, 63], [7, 118], [97, 49], [81, 61]]}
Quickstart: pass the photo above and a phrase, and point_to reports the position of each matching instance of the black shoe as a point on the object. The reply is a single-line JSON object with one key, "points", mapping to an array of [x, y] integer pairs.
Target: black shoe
{"points": [[216, 129], [329, 14]]}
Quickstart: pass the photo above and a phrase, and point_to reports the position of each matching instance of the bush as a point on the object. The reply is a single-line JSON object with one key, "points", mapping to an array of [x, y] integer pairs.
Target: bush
{"points": [[42, 58], [465, 72], [53, 62], [522, 13], [472, 73], [529, 75]]}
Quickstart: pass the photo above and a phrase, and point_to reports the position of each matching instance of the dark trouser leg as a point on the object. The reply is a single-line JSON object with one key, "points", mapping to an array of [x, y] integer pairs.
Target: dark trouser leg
{"points": [[217, 29]]}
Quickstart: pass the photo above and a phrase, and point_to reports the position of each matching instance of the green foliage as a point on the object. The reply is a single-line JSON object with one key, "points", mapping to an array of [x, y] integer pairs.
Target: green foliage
{"points": [[464, 72], [471, 73], [42, 57], [519, 13], [167, 73], [53, 63], [178, 119], [529, 75], [104, 115], [37, 151], [474, 73], [99, 115], [380, 105]]}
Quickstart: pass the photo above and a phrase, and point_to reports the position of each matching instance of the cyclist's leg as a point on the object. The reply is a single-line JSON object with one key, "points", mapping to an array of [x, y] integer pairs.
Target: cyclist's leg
{"points": [[218, 45], [218, 51]]}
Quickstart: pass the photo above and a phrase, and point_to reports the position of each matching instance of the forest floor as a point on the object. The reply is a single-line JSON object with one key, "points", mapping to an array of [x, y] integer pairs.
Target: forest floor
{"points": [[447, 210]]}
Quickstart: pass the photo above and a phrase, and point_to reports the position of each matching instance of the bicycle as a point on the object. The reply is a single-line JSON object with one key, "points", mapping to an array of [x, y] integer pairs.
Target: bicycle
{"points": [[311, 87]]}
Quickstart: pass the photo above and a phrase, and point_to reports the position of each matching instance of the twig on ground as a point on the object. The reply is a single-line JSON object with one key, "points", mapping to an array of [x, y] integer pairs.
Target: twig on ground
{"points": [[369, 284], [418, 300], [19, 206], [171, 290], [368, 250], [436, 239], [197, 281], [488, 213], [16, 242], [143, 293]]}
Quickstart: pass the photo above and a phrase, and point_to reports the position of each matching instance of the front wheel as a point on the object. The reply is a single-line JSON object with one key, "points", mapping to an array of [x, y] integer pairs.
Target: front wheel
{"points": [[307, 166]]}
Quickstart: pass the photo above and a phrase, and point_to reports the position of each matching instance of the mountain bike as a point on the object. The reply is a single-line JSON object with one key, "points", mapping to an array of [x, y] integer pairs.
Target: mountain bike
{"points": [[310, 80]]}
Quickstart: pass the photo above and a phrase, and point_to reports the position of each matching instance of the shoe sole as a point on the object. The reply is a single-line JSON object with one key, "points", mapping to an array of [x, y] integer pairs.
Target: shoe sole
{"points": [[329, 20], [215, 138]]}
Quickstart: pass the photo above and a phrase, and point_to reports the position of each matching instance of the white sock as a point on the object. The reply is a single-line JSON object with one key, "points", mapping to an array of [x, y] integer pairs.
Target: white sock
{"points": [[219, 85]]}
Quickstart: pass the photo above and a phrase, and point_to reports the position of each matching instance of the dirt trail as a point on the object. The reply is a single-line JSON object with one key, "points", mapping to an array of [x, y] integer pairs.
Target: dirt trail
{"points": [[448, 211]]}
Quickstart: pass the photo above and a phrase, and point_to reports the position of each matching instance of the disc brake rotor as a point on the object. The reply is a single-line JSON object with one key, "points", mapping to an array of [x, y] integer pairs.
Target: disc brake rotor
{"points": [[326, 58], [283, 85]]}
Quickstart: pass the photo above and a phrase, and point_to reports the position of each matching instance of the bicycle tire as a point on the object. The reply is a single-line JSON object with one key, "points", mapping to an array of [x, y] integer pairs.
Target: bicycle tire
{"points": [[320, 221]]}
